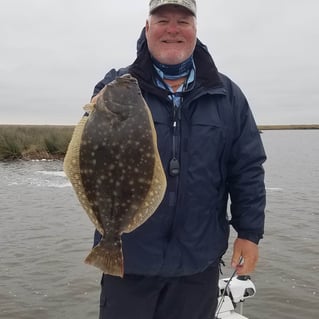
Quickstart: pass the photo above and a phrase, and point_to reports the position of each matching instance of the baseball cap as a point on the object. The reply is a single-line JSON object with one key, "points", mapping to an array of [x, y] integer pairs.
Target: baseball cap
{"points": [[188, 4]]}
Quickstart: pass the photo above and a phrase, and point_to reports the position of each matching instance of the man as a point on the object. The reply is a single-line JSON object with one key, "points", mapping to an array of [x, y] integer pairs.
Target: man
{"points": [[210, 148]]}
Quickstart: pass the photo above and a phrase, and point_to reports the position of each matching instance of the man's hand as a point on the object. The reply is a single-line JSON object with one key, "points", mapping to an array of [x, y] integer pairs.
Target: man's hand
{"points": [[249, 252], [94, 99]]}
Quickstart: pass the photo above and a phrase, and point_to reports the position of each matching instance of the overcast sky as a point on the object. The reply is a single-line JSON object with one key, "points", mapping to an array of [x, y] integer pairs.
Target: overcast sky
{"points": [[52, 53]]}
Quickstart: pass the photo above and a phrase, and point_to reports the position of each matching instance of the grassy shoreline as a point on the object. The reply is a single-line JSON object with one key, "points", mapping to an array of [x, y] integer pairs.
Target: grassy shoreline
{"points": [[29, 142], [289, 127]]}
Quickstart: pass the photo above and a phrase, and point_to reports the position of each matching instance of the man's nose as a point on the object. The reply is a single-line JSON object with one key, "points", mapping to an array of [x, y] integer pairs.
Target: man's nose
{"points": [[173, 27]]}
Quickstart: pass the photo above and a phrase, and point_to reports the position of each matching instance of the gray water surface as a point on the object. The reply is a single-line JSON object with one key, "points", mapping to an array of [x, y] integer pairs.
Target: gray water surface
{"points": [[45, 236]]}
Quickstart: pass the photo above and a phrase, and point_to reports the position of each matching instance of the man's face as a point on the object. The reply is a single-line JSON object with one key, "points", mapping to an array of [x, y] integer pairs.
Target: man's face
{"points": [[171, 34]]}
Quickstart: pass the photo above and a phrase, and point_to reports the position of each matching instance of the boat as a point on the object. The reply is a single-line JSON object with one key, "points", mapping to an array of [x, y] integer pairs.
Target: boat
{"points": [[233, 292]]}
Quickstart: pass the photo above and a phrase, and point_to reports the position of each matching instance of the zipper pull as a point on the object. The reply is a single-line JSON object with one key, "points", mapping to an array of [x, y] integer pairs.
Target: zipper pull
{"points": [[174, 167]]}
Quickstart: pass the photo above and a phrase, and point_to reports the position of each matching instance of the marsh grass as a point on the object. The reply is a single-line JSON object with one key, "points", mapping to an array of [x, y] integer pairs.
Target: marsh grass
{"points": [[51, 141], [290, 127], [34, 141]]}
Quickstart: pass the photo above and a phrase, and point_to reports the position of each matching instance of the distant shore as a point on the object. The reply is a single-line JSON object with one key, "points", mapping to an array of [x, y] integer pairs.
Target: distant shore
{"points": [[29, 142], [289, 127]]}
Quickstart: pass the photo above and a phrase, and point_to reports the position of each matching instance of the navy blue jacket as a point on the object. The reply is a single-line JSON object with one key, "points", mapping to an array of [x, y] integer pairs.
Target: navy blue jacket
{"points": [[220, 153]]}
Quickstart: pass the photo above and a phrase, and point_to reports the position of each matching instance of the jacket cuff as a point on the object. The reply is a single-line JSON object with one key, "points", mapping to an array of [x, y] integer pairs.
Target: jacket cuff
{"points": [[254, 237], [97, 238]]}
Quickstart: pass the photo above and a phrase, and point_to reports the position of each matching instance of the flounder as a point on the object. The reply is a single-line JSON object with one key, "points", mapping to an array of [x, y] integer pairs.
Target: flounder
{"points": [[115, 169]]}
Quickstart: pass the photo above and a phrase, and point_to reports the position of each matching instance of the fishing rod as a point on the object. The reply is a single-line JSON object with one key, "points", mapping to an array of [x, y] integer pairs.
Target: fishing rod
{"points": [[222, 297]]}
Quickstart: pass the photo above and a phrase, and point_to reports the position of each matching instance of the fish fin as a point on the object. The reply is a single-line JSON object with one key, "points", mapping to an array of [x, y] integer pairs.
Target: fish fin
{"points": [[108, 258], [89, 107], [71, 166]]}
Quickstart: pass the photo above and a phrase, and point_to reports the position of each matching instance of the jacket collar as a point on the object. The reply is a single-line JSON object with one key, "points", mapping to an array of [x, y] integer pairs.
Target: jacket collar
{"points": [[207, 75]]}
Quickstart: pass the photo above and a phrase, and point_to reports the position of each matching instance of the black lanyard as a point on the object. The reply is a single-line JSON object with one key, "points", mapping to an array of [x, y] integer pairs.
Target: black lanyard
{"points": [[174, 166]]}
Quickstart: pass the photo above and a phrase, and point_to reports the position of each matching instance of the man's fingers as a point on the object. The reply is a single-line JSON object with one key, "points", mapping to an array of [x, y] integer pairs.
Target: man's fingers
{"points": [[245, 256], [236, 259]]}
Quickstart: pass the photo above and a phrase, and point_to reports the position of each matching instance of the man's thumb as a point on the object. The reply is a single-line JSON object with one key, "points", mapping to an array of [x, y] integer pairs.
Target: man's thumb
{"points": [[235, 261]]}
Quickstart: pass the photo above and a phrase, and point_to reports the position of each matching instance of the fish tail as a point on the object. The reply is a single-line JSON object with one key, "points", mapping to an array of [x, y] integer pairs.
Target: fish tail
{"points": [[108, 258]]}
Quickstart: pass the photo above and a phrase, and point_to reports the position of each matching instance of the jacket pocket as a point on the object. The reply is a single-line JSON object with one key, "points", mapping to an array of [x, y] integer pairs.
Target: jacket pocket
{"points": [[207, 140], [163, 131]]}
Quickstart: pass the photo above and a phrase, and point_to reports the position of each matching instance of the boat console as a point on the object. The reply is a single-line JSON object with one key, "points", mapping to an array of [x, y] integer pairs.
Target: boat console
{"points": [[232, 294]]}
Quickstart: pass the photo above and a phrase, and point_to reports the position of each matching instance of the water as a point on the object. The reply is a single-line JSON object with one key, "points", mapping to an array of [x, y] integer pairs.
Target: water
{"points": [[45, 235]]}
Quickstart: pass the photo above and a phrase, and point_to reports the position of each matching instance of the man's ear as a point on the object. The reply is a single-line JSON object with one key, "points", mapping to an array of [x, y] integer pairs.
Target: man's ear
{"points": [[147, 25]]}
